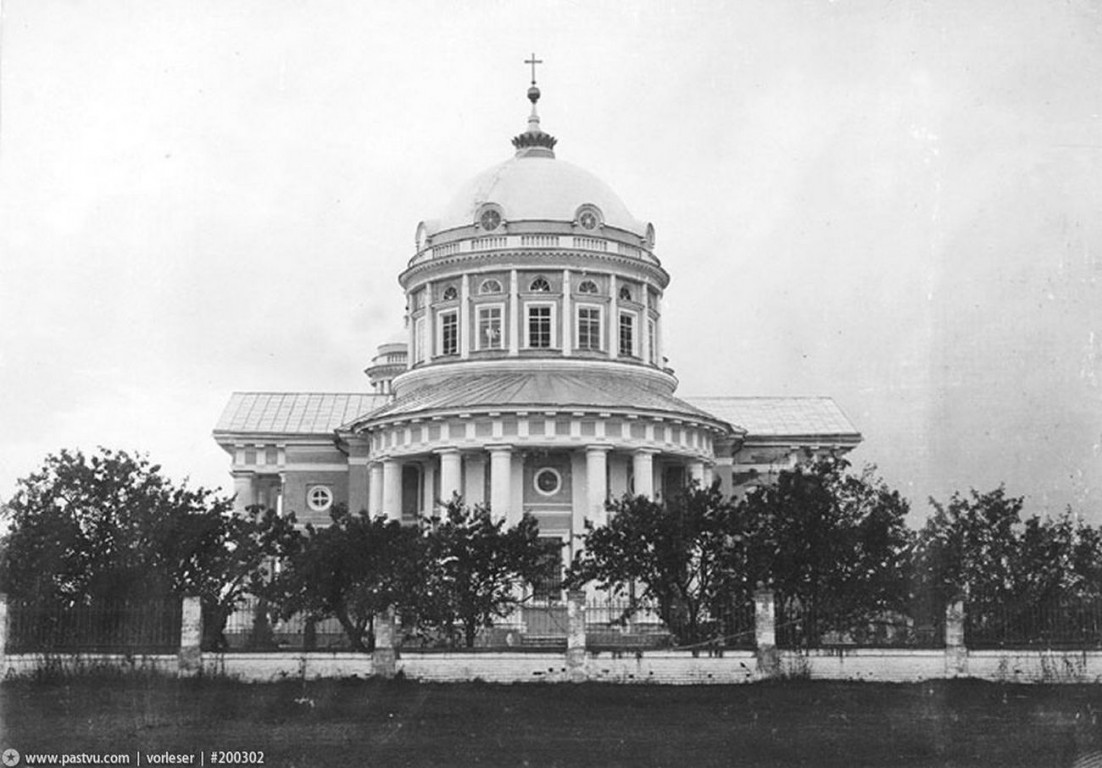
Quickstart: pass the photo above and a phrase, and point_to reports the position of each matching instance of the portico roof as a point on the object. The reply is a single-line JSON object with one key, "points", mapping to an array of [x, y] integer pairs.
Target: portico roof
{"points": [[811, 418], [321, 413], [293, 413]]}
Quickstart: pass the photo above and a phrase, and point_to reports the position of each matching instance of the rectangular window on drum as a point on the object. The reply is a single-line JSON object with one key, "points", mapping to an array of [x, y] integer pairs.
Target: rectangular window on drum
{"points": [[589, 328], [489, 327], [539, 327], [627, 334], [449, 333]]}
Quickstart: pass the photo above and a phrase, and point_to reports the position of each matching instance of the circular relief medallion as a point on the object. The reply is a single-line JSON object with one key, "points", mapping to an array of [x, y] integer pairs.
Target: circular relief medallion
{"points": [[548, 481], [588, 220], [490, 219]]}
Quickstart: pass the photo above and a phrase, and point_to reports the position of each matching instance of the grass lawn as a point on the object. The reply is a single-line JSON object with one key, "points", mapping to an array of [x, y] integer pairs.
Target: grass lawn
{"points": [[376, 723]]}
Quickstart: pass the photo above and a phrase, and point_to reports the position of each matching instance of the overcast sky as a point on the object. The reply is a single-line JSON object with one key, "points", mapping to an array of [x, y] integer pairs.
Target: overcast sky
{"points": [[896, 204]]}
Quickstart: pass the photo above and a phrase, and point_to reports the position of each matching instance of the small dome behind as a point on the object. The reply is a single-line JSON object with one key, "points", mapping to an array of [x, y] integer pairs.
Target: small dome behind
{"points": [[536, 189]]}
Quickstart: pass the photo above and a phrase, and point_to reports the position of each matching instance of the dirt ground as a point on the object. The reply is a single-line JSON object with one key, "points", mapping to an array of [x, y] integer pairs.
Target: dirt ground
{"points": [[398, 723]]}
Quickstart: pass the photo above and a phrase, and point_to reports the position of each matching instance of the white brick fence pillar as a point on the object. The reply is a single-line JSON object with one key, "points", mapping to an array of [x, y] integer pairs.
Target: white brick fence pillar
{"points": [[956, 654], [384, 658], [765, 633], [190, 660], [3, 626], [575, 636]]}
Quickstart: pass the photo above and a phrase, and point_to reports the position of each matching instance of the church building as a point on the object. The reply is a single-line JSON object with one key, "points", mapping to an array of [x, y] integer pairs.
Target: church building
{"points": [[533, 378]]}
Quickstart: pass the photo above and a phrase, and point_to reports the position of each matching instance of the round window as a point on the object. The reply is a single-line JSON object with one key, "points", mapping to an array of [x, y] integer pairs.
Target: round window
{"points": [[548, 481], [319, 498], [490, 219]]}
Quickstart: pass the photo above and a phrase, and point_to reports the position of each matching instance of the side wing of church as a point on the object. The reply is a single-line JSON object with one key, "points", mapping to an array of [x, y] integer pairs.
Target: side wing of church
{"points": [[533, 378]]}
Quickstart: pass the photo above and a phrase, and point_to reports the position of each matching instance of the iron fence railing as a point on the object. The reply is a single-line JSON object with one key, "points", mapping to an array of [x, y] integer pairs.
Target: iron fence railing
{"points": [[105, 626], [616, 624], [613, 624], [1055, 623], [257, 625], [796, 626]]}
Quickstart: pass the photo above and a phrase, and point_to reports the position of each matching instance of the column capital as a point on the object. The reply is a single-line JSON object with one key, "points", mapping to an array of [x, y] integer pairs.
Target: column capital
{"points": [[501, 448], [446, 450], [598, 447], [646, 452]]}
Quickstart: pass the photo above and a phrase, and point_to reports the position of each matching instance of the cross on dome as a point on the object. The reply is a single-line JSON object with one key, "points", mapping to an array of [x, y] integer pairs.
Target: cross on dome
{"points": [[533, 61], [534, 142]]}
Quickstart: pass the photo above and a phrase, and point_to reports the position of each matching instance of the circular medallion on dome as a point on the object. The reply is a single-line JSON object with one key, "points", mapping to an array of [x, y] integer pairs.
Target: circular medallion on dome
{"points": [[588, 217], [490, 219]]}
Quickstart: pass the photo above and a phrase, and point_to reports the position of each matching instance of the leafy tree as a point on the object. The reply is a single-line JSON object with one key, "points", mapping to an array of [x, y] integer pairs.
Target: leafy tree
{"points": [[239, 557], [674, 555], [969, 547], [354, 569], [477, 568], [979, 547], [834, 546], [110, 527]]}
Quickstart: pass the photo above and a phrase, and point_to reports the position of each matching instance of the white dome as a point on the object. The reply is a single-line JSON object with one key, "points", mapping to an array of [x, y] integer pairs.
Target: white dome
{"points": [[536, 188]]}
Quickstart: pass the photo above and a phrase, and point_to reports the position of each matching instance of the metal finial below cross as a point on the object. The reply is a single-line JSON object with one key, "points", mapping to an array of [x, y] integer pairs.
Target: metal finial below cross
{"points": [[533, 61]]}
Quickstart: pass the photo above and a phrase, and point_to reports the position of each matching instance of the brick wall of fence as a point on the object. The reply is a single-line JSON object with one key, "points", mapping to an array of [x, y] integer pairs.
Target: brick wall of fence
{"points": [[577, 663]]}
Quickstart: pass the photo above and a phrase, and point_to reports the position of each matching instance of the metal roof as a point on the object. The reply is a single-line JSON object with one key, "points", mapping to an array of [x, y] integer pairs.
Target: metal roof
{"points": [[538, 391], [536, 188], [296, 413], [317, 413], [781, 416]]}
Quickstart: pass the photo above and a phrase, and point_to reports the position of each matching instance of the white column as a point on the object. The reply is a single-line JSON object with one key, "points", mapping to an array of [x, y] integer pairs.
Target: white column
{"points": [[430, 328], [428, 488], [709, 475], [450, 474], [696, 472], [658, 332], [411, 325], [567, 316], [501, 480], [392, 489], [596, 482], [375, 489], [464, 317], [613, 318], [514, 315], [642, 463]]}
